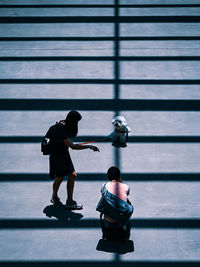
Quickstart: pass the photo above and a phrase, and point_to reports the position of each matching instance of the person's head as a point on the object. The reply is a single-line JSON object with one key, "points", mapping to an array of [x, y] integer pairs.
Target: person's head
{"points": [[71, 122], [113, 173]]}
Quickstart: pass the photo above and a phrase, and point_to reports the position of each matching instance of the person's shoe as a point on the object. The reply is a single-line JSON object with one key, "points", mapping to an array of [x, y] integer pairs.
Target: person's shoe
{"points": [[56, 201], [71, 204]]}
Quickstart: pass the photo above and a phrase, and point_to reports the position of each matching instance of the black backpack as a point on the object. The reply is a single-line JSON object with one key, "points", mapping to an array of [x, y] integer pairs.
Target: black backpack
{"points": [[47, 141]]}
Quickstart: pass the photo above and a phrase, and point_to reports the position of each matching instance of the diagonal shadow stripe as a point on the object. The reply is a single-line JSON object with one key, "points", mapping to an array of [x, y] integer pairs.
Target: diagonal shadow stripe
{"points": [[99, 81], [169, 223], [100, 58], [101, 19], [99, 104], [131, 139], [158, 81], [96, 263], [106, 38], [137, 177], [58, 81], [97, 6]]}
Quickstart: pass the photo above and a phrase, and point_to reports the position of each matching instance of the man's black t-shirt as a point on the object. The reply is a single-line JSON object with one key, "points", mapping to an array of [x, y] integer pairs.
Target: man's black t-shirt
{"points": [[60, 160], [59, 134]]}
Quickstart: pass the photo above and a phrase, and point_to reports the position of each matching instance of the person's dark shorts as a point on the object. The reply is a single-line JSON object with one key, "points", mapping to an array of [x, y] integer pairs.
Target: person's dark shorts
{"points": [[60, 165], [112, 231]]}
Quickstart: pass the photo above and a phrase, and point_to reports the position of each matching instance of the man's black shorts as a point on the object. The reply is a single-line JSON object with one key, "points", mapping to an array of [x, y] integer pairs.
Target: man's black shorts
{"points": [[60, 165]]}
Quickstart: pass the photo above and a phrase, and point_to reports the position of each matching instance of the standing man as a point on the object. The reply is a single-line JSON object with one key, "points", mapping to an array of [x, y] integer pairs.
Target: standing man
{"points": [[60, 161]]}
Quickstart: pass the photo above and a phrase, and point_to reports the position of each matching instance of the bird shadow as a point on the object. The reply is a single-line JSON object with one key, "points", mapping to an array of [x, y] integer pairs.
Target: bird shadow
{"points": [[61, 213]]}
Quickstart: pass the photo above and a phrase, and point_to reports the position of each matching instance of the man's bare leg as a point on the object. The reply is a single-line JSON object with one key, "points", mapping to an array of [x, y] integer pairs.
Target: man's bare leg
{"points": [[55, 199], [56, 186], [70, 185], [70, 203]]}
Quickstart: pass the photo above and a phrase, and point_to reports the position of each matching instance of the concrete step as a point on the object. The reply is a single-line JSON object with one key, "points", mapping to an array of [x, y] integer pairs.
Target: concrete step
{"points": [[151, 200]]}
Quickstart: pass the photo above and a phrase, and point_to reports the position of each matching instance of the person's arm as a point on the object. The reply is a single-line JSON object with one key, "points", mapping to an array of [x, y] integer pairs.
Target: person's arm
{"points": [[70, 144]]}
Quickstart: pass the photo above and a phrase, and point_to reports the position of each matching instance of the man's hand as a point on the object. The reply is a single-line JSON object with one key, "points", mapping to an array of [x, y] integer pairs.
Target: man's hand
{"points": [[94, 148]]}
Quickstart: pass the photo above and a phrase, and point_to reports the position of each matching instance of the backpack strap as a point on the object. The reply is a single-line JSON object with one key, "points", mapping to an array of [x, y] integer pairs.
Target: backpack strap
{"points": [[50, 130], [103, 189]]}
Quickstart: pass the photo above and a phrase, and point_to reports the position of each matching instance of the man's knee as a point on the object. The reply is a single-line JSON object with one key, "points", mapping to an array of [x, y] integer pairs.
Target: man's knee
{"points": [[73, 176]]}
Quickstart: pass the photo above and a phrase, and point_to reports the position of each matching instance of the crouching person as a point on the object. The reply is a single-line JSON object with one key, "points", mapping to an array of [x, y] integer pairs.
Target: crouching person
{"points": [[115, 208]]}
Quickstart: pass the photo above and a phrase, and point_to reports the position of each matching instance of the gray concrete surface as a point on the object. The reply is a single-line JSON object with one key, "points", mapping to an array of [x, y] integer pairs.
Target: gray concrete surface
{"points": [[161, 91], [58, 12], [158, 200], [37, 122], [141, 123], [57, 91], [160, 2], [160, 70], [58, 29], [135, 158], [57, 69], [28, 158], [159, 29], [25, 201], [55, 48], [43, 12], [159, 48], [163, 123], [159, 11], [59, 2]]}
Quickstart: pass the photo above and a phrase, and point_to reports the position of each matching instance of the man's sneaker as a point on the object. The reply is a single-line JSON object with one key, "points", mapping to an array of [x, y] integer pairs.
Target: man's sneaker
{"points": [[56, 201], [71, 204]]}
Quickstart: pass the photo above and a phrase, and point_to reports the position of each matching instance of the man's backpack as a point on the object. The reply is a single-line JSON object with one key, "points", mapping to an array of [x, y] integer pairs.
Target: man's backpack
{"points": [[47, 144], [114, 207]]}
